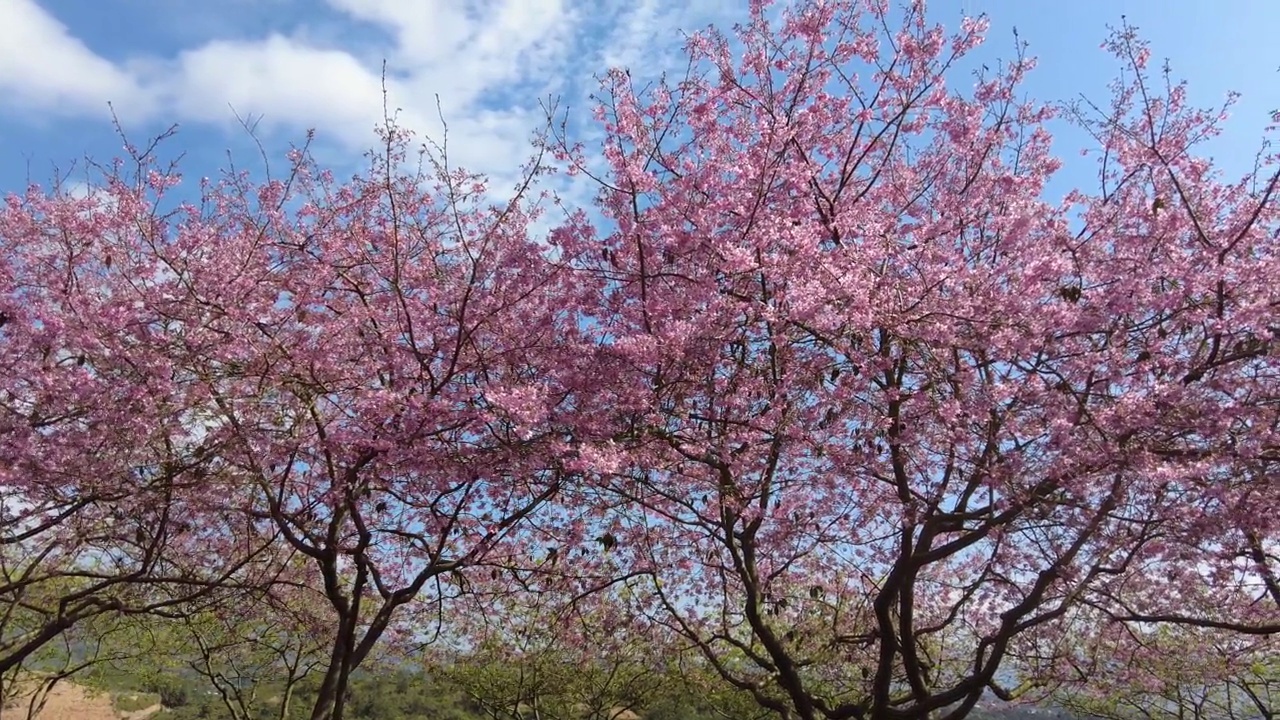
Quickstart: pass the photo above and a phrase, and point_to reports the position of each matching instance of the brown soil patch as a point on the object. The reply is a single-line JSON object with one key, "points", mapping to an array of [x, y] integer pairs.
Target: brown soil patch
{"points": [[69, 701]]}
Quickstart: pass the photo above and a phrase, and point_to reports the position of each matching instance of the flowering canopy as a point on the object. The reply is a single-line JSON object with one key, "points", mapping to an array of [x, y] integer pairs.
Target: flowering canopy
{"points": [[839, 399], [888, 420]]}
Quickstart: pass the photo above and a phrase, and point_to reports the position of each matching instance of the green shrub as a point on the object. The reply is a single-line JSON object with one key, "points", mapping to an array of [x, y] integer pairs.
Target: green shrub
{"points": [[131, 702], [174, 692]]}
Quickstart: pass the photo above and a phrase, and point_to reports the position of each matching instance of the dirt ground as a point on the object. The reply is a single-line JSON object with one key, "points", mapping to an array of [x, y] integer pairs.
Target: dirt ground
{"points": [[74, 702]]}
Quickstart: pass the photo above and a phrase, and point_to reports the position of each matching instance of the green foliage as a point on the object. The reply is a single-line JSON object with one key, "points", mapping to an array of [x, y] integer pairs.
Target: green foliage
{"points": [[675, 708], [205, 708], [173, 691], [133, 701], [402, 694], [154, 660]]}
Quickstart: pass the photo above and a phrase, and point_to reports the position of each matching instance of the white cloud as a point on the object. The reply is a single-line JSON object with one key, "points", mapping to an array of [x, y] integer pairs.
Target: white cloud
{"points": [[291, 84], [474, 44], [43, 67], [488, 61]]}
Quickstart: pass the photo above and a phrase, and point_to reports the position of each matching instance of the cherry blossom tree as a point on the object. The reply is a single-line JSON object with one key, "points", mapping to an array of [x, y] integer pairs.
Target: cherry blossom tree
{"points": [[104, 467], [1170, 671], [833, 395], [89, 646], [526, 656], [373, 375], [392, 371], [273, 638], [886, 419]]}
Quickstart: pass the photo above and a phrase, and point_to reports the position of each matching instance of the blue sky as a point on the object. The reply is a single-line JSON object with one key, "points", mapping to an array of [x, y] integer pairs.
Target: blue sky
{"points": [[297, 64]]}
